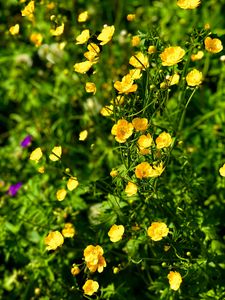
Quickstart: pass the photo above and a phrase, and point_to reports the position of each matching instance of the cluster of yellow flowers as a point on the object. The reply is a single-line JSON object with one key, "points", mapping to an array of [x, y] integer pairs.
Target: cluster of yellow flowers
{"points": [[55, 239]]}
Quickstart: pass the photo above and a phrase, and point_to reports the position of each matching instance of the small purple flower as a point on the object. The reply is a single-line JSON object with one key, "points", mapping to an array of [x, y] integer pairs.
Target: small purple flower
{"points": [[26, 141], [13, 189]]}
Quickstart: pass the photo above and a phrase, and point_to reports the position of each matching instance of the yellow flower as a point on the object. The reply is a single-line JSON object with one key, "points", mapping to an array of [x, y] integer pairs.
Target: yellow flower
{"points": [[139, 61], [175, 280], [156, 170], [116, 233], [93, 256], [126, 85], [113, 173], [188, 4], [135, 73], [41, 169], [58, 31], [131, 189], [163, 140], [36, 39], [131, 17], [28, 10], [83, 17], [199, 55], [54, 240], [213, 45], [222, 171], [144, 141], [90, 87], [68, 230], [83, 37], [140, 124], [106, 35], [90, 287], [72, 183], [92, 53], [173, 79], [157, 231], [122, 130], [151, 49], [172, 55], [83, 67], [36, 154], [135, 41], [143, 170], [61, 194], [56, 153], [106, 110], [83, 135], [194, 78], [14, 30], [75, 270]]}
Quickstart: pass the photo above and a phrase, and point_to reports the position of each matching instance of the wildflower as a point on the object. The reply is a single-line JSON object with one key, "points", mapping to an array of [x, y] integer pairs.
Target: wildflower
{"points": [[75, 270], [83, 135], [222, 171], [140, 124], [36, 39], [58, 30], [113, 173], [90, 287], [93, 256], [61, 194], [68, 230], [172, 55], [116, 233], [56, 153], [72, 183], [36, 154], [83, 17], [122, 130], [135, 73], [83, 37], [173, 79], [116, 270], [26, 141], [106, 35], [126, 85], [131, 17], [156, 170], [93, 52], [131, 189], [157, 231], [13, 189], [135, 41], [151, 49], [28, 10], [139, 61], [41, 169], [90, 87], [54, 240], [163, 140], [144, 141], [188, 4], [106, 110], [194, 78], [213, 45], [14, 30], [143, 170], [175, 280], [83, 67], [199, 55]]}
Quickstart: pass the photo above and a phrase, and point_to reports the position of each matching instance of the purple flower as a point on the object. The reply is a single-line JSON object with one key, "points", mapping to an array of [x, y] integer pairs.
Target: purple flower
{"points": [[26, 141], [13, 189]]}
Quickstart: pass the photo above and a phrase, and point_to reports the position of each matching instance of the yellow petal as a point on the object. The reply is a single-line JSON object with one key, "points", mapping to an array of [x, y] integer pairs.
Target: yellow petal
{"points": [[72, 183], [56, 153]]}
